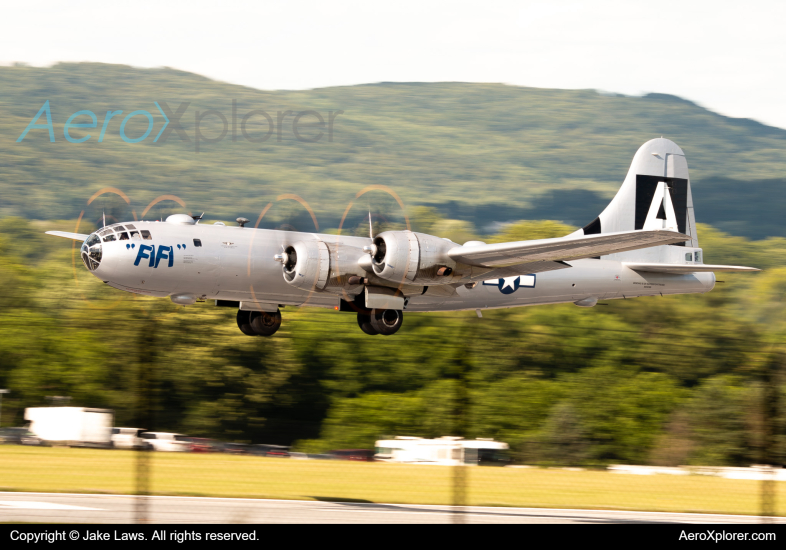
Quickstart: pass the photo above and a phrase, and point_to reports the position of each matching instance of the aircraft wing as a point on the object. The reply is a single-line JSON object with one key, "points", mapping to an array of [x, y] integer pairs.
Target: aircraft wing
{"points": [[685, 268], [563, 248], [67, 235], [521, 269]]}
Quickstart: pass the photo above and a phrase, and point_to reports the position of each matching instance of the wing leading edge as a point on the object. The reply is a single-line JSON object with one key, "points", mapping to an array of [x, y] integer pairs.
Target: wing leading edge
{"points": [[67, 235], [563, 248]]}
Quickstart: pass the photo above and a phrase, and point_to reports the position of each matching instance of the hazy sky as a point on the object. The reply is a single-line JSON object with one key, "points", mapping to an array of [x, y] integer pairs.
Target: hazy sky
{"points": [[724, 55]]}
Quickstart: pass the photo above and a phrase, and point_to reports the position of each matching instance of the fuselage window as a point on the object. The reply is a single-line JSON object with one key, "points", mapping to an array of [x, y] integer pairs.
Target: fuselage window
{"points": [[197, 242], [146, 235], [109, 238], [697, 255], [123, 236], [688, 257]]}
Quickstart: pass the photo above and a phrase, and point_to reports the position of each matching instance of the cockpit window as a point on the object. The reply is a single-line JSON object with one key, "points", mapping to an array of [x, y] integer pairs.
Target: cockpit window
{"points": [[123, 236], [129, 226], [109, 238], [91, 252], [105, 232], [135, 235], [146, 235], [119, 228]]}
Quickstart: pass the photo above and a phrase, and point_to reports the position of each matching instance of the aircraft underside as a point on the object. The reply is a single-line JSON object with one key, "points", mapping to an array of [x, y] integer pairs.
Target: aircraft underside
{"points": [[614, 281]]}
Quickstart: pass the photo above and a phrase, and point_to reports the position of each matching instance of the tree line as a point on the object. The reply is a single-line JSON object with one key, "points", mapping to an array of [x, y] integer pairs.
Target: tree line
{"points": [[661, 380]]}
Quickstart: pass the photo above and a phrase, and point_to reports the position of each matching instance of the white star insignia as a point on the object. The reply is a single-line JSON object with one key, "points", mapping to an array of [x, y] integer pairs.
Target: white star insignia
{"points": [[509, 282]]}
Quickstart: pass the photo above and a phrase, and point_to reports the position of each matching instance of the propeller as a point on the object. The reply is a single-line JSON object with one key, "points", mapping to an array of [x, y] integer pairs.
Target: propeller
{"points": [[284, 259], [371, 249]]}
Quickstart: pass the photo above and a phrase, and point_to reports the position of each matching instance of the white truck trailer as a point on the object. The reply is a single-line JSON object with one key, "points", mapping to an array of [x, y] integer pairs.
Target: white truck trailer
{"points": [[72, 426], [446, 451]]}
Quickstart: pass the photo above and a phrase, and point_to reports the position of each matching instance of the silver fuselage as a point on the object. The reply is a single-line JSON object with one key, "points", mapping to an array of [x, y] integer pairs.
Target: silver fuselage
{"points": [[237, 264]]}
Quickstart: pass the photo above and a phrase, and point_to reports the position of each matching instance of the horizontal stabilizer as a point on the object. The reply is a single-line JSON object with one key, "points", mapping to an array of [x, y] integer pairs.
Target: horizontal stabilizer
{"points": [[685, 268], [572, 247], [67, 235]]}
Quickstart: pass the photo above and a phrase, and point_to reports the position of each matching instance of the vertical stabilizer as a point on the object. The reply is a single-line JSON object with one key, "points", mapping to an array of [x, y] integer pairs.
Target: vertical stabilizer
{"points": [[655, 195]]}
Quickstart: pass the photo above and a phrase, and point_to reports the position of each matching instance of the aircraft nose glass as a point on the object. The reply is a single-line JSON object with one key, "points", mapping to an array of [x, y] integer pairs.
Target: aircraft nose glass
{"points": [[91, 252]]}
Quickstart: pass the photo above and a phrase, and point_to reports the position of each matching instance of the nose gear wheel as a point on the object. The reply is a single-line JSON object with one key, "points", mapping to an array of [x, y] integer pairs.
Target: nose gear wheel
{"points": [[244, 323], [264, 323], [258, 323]]}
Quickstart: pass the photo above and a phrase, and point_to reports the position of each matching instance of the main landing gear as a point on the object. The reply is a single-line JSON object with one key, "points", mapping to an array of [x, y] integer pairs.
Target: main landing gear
{"points": [[376, 321], [381, 321], [258, 323]]}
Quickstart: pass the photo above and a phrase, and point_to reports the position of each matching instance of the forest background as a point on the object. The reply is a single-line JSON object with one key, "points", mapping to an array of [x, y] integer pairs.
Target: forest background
{"points": [[661, 380]]}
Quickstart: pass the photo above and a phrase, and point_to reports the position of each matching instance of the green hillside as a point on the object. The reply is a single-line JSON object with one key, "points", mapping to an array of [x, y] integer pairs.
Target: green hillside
{"points": [[479, 152]]}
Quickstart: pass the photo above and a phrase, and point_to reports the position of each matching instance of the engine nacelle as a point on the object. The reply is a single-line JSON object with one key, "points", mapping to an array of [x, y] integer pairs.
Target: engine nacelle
{"points": [[412, 258], [306, 264]]}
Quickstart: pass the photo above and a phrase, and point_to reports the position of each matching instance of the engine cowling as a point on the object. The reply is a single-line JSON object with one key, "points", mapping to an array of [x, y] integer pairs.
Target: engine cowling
{"points": [[413, 258], [306, 264]]}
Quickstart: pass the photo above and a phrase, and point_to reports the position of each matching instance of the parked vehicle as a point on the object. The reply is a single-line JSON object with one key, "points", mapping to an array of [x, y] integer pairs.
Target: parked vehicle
{"points": [[72, 426], [448, 451], [127, 438], [360, 455], [236, 448], [19, 436], [273, 451], [202, 445], [166, 441]]}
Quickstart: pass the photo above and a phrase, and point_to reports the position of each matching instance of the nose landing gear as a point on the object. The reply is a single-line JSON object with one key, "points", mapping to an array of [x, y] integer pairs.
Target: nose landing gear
{"points": [[258, 323], [381, 321], [244, 323]]}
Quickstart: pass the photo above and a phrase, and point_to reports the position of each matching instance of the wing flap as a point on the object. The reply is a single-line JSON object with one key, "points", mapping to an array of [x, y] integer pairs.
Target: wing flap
{"points": [[521, 269], [67, 235], [686, 268], [563, 248]]}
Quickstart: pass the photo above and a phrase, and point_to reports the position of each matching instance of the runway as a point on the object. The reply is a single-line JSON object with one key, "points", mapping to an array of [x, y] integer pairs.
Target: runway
{"points": [[90, 508]]}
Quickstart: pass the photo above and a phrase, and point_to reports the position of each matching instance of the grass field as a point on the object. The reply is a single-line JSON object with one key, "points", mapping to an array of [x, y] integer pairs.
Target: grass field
{"points": [[99, 471]]}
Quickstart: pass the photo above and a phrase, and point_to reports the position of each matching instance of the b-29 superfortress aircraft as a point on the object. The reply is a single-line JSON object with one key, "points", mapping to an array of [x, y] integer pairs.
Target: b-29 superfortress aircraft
{"points": [[643, 244]]}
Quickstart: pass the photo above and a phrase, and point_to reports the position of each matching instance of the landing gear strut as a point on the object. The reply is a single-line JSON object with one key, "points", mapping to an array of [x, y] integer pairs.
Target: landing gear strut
{"points": [[381, 321], [258, 323]]}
